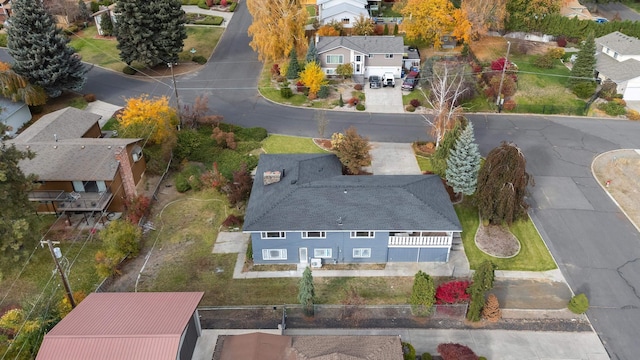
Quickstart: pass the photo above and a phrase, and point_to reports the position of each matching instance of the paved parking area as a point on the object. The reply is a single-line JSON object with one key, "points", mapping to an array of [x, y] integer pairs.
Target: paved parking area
{"points": [[384, 100]]}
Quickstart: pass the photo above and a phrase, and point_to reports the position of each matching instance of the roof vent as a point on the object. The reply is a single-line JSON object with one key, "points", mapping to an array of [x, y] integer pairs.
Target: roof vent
{"points": [[270, 177], [339, 220]]}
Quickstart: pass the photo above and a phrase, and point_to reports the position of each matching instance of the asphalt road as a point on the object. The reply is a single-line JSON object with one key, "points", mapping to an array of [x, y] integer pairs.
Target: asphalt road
{"points": [[610, 10], [595, 245]]}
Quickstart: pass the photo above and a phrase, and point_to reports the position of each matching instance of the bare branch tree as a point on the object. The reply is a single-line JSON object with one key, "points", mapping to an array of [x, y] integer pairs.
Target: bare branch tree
{"points": [[447, 87]]}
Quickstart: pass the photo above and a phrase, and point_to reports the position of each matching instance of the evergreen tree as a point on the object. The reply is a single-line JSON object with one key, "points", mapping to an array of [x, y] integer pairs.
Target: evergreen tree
{"points": [[463, 163], [582, 73], [482, 282], [40, 50], [83, 11], [312, 53], [150, 32], [294, 67], [306, 292], [423, 294], [502, 185], [18, 229], [106, 24]]}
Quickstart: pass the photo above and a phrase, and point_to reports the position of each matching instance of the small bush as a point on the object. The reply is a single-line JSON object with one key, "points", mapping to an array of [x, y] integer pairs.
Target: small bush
{"points": [[633, 115], [360, 107], [71, 29], [415, 103], [312, 96], [188, 179], [556, 53], [275, 70], [509, 105], [579, 304], [410, 108], [323, 93], [202, 4], [408, 351], [232, 221], [353, 101], [426, 356], [358, 87], [3, 40], [232, 7], [199, 59], [544, 61], [286, 92], [584, 90], [129, 70], [612, 108], [562, 41], [89, 97], [340, 101], [453, 351], [452, 292], [619, 101]]}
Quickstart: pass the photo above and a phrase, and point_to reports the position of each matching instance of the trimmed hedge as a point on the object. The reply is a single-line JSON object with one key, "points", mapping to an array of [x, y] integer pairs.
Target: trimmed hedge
{"points": [[199, 59], [579, 304], [232, 7]]}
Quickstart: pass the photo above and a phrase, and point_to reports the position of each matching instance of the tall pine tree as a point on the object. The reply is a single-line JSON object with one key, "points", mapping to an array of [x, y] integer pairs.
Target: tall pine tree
{"points": [[40, 50], [150, 32], [294, 66], [306, 292], [463, 163], [582, 80], [312, 52]]}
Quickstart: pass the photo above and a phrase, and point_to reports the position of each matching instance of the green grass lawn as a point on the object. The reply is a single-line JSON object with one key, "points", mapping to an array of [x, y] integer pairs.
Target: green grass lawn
{"points": [[103, 52], [424, 163], [311, 9], [415, 94], [533, 256], [281, 144]]}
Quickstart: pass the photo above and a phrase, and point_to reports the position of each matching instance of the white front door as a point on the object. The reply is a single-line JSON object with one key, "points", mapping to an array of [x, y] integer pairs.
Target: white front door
{"points": [[357, 69], [304, 255]]}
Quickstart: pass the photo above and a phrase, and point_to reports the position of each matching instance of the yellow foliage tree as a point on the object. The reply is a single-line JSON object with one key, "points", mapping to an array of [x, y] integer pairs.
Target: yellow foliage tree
{"points": [[327, 30], [151, 119], [484, 15], [428, 20], [278, 26], [462, 29], [17, 88], [313, 77], [64, 306]]}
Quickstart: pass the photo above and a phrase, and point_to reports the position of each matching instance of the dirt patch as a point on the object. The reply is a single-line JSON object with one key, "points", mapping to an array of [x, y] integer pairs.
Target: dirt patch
{"points": [[324, 144], [490, 48], [497, 241]]}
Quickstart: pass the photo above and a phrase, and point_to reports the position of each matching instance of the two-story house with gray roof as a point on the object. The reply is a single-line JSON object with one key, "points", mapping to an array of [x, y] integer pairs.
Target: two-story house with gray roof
{"points": [[345, 12], [302, 210], [618, 59], [78, 170], [369, 55]]}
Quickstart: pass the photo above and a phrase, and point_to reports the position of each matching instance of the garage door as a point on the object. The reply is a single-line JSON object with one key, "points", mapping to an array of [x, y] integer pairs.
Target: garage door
{"points": [[632, 93], [380, 70]]}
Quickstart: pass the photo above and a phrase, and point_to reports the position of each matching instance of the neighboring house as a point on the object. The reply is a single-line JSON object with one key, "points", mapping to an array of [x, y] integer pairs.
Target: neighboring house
{"points": [[369, 55], [124, 326], [97, 16], [411, 58], [573, 8], [14, 115], [5, 10], [77, 169], [303, 210], [618, 59], [261, 346], [345, 12]]}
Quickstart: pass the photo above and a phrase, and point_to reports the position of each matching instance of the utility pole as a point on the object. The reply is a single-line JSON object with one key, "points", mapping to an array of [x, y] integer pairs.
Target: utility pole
{"points": [[175, 89], [504, 68], [65, 281]]}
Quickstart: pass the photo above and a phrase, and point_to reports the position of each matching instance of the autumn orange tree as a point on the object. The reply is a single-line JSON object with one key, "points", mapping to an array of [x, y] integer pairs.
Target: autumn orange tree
{"points": [[327, 30], [313, 77], [151, 119], [484, 15], [278, 26], [18, 88], [430, 20]]}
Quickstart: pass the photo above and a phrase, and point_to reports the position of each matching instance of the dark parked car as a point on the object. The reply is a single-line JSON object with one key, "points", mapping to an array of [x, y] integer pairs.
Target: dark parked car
{"points": [[375, 82], [411, 81]]}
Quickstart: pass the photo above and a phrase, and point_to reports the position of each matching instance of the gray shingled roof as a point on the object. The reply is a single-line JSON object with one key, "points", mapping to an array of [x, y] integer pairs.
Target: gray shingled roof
{"points": [[314, 194], [83, 159], [363, 44], [67, 123], [617, 71], [620, 43]]}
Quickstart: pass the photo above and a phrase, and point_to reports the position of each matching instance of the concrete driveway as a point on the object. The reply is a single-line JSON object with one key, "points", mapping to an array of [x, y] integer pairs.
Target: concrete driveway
{"points": [[384, 100]]}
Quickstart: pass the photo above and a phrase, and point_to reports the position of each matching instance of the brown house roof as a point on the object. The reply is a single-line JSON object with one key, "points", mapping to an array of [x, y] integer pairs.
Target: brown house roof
{"points": [[113, 326], [256, 346], [67, 123]]}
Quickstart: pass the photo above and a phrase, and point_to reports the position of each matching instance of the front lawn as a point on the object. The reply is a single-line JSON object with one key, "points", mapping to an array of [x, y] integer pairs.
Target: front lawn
{"points": [[533, 256], [282, 144]]}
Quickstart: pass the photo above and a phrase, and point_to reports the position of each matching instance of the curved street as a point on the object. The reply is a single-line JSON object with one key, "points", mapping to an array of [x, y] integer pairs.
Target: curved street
{"points": [[595, 245]]}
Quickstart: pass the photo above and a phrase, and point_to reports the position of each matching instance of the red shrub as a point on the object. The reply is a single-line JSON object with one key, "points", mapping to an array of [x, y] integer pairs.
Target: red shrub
{"points": [[415, 103], [209, 3], [499, 64], [137, 208], [453, 351], [353, 101], [358, 86], [452, 292], [562, 41], [509, 105], [232, 221], [275, 70], [223, 2], [300, 87]]}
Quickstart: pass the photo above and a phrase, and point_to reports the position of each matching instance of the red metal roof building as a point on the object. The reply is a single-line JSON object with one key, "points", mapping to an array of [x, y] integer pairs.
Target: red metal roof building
{"points": [[115, 326]]}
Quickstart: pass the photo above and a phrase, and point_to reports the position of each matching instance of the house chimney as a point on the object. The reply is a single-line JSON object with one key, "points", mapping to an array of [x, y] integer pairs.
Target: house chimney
{"points": [[126, 172], [55, 137], [270, 177]]}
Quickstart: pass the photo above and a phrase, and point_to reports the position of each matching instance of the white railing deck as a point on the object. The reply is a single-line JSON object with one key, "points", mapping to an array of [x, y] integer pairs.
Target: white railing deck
{"points": [[421, 241]]}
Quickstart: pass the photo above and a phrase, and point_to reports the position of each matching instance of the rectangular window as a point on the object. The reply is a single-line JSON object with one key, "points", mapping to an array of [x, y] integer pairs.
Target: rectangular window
{"points": [[362, 252], [388, 56], [345, 20], [330, 71], [274, 254], [314, 235], [358, 58], [335, 59], [370, 56], [362, 234], [322, 253], [273, 235]]}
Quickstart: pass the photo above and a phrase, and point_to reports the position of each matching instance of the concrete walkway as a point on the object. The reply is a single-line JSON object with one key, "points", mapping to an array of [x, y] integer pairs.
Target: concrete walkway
{"points": [[196, 10]]}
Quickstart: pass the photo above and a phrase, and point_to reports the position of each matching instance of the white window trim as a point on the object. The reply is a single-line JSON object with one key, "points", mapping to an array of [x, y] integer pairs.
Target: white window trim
{"points": [[305, 235], [388, 56], [331, 71], [361, 253], [371, 235], [265, 235], [370, 56], [266, 254], [340, 57], [323, 253]]}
